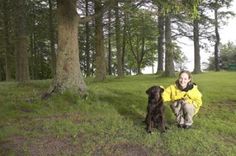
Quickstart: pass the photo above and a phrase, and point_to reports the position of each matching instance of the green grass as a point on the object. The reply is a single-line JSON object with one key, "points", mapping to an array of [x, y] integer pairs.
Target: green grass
{"points": [[109, 121]]}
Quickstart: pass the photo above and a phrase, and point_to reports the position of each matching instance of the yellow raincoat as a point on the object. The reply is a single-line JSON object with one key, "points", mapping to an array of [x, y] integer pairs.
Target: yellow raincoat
{"points": [[192, 96]]}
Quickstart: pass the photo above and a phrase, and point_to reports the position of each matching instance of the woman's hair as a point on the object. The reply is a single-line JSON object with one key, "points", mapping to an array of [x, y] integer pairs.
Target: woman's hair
{"points": [[186, 72], [190, 84]]}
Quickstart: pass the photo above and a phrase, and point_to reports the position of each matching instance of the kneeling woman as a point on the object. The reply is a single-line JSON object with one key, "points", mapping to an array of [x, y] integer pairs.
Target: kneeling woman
{"points": [[185, 97]]}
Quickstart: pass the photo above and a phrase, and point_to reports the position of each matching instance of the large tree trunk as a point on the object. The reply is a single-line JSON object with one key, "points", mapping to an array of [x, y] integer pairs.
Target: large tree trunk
{"points": [[52, 38], [8, 47], [21, 43], [100, 73], [217, 68], [68, 73], [169, 57], [120, 72], [160, 48], [197, 59]]}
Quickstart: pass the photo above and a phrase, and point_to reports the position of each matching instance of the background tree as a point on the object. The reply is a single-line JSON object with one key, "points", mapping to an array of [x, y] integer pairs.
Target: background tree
{"points": [[119, 54], [68, 74], [160, 48], [52, 36], [169, 54], [141, 38], [227, 57], [21, 43], [215, 6], [100, 72]]}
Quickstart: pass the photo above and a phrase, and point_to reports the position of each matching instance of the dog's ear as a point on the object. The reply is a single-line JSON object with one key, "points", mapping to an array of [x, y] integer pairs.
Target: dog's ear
{"points": [[148, 91], [162, 89]]}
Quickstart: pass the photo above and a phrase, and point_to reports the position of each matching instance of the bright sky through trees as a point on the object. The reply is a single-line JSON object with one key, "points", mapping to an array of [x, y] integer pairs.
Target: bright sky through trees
{"points": [[227, 33]]}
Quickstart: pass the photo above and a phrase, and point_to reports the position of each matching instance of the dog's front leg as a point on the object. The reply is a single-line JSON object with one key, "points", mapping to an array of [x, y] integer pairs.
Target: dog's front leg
{"points": [[162, 121], [149, 121]]}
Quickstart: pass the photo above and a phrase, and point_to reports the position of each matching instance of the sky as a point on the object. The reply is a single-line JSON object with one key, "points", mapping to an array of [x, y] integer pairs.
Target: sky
{"points": [[227, 33]]}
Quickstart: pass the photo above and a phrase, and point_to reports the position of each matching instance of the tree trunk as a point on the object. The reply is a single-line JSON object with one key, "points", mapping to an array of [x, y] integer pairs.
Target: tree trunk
{"points": [[100, 73], [169, 57], [120, 72], [109, 44], [21, 43], [87, 46], [160, 48], [124, 41], [197, 59], [68, 73], [52, 39], [217, 68], [8, 47]]}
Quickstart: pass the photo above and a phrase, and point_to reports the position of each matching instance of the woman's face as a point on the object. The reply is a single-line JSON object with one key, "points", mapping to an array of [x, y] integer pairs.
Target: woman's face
{"points": [[184, 80]]}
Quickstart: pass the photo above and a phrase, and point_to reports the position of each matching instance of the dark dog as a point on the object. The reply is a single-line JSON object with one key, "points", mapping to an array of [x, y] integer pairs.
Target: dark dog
{"points": [[155, 109]]}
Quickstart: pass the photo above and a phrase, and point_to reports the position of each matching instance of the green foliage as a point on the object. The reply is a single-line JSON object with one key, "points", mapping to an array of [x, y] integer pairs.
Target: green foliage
{"points": [[112, 116], [227, 57]]}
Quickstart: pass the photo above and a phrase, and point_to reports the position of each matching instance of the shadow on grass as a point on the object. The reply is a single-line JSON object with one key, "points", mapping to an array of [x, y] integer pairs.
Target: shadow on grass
{"points": [[127, 104]]}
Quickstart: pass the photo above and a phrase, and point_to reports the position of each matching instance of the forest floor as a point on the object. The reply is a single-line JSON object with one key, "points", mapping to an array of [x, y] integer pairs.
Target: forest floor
{"points": [[110, 121]]}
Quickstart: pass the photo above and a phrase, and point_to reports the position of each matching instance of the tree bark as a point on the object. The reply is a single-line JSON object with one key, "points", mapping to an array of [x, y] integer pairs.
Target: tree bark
{"points": [[160, 48], [21, 44], [68, 73], [100, 73], [8, 47], [169, 57], [87, 45], [197, 59], [52, 38], [120, 72], [217, 68], [109, 44]]}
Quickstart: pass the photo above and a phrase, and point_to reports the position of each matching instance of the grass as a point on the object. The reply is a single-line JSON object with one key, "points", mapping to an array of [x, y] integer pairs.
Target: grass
{"points": [[109, 122]]}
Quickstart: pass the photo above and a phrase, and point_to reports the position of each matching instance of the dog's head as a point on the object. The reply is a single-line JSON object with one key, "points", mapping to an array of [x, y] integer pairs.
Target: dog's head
{"points": [[155, 92]]}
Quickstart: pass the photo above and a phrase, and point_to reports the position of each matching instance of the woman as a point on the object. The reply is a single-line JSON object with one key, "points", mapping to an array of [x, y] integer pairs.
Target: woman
{"points": [[186, 99]]}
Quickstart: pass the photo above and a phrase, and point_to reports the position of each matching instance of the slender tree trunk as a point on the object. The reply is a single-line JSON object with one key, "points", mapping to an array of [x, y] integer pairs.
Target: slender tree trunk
{"points": [[160, 48], [52, 38], [100, 73], [124, 41], [141, 55], [109, 44], [217, 68], [21, 43], [87, 46], [118, 42], [68, 73], [169, 57], [197, 59], [8, 47], [34, 70]]}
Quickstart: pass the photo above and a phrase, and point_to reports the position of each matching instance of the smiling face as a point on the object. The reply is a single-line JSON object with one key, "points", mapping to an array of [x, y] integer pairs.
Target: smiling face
{"points": [[184, 79]]}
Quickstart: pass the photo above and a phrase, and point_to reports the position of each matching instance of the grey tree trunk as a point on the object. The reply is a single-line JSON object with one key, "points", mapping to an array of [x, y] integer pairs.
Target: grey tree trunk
{"points": [[120, 72], [169, 57], [100, 73], [109, 44], [68, 73], [52, 38], [197, 59], [9, 63], [217, 42], [21, 43], [160, 48], [87, 45]]}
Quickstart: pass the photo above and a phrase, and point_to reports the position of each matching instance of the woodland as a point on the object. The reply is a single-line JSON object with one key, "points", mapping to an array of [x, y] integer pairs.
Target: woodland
{"points": [[90, 54], [69, 40]]}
